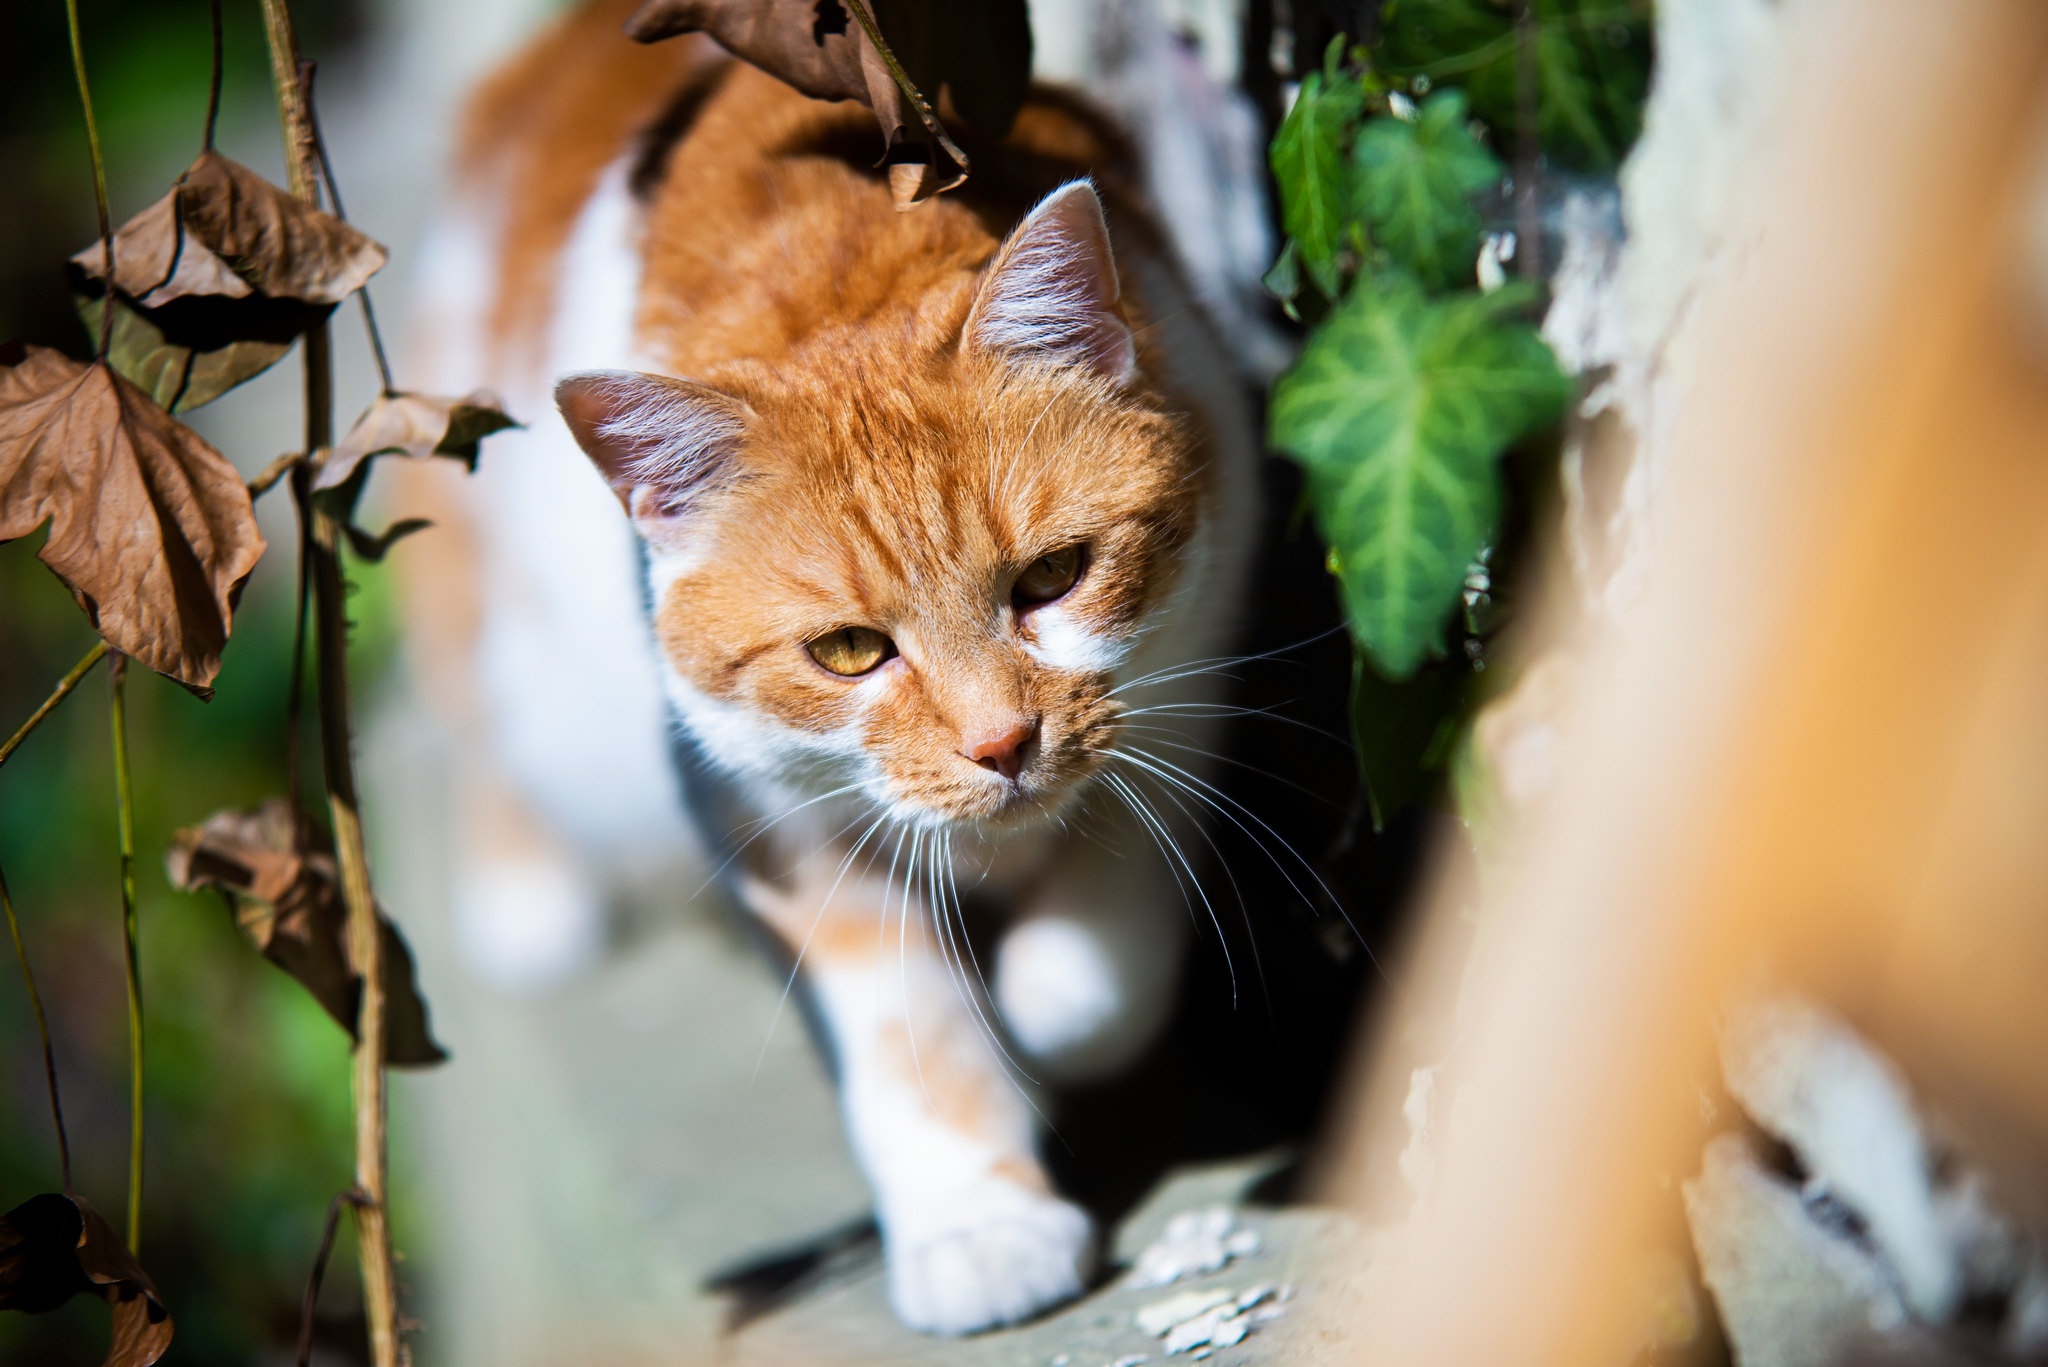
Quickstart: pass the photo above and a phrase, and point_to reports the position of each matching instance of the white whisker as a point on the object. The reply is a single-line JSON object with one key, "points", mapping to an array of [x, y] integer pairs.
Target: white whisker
{"points": [[789, 983], [903, 959], [1216, 798], [1163, 837], [766, 825], [1223, 758], [1215, 663]]}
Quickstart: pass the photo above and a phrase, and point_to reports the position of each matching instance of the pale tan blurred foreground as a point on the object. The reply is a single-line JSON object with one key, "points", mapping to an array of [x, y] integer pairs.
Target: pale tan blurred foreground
{"points": [[1813, 741]]}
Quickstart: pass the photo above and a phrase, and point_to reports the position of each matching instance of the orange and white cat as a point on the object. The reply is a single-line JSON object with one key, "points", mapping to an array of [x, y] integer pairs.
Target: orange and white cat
{"points": [[912, 536]]}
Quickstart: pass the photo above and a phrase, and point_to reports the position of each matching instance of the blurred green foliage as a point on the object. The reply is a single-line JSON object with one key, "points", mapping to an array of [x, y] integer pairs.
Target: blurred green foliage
{"points": [[1590, 59], [1398, 409], [247, 1088], [1422, 375]]}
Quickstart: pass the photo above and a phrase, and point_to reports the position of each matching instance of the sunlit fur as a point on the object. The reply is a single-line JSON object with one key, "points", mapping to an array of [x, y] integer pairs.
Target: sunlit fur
{"points": [[914, 508], [928, 413]]}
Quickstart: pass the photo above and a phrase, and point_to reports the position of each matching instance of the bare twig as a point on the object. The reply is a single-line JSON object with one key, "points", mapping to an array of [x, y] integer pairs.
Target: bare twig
{"points": [[274, 472], [320, 558], [351, 1197], [57, 695], [99, 178], [124, 802], [213, 85], [362, 291], [35, 1003]]}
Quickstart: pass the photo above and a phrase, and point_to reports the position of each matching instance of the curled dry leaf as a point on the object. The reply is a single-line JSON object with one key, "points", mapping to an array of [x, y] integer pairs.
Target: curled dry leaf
{"points": [[416, 426], [55, 1247], [277, 871], [978, 55], [213, 282], [150, 527]]}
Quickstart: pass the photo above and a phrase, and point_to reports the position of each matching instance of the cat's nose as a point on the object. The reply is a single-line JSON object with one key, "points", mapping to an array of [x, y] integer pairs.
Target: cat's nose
{"points": [[1002, 748]]}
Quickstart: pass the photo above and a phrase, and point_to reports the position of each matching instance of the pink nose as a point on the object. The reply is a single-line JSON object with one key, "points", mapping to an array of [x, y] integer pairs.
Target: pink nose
{"points": [[1002, 748]]}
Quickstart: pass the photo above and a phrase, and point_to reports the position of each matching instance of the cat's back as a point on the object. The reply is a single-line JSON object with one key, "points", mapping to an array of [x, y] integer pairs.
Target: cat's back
{"points": [[761, 216]]}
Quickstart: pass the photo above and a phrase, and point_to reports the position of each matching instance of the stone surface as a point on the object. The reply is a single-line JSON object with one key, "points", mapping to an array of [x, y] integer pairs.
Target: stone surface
{"points": [[592, 1161], [1808, 1078], [1305, 1261], [1791, 1293]]}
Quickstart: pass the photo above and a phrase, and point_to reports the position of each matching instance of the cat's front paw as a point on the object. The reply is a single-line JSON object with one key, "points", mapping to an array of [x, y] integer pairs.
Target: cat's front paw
{"points": [[996, 1254]]}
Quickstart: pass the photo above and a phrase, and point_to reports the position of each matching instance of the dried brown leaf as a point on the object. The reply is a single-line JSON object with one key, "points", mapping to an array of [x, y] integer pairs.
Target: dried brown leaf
{"points": [[978, 54], [277, 871], [416, 426], [224, 230], [150, 527], [55, 1247], [213, 282]]}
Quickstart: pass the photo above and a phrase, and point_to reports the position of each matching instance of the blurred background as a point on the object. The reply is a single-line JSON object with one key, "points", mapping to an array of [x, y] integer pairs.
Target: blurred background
{"points": [[248, 1113]]}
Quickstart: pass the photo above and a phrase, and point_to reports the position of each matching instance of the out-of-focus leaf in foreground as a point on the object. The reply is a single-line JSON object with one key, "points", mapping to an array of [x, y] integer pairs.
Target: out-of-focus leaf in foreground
{"points": [[1398, 408], [978, 55], [1592, 67], [150, 527], [1414, 186], [213, 282], [1307, 158], [277, 871], [416, 426], [55, 1247]]}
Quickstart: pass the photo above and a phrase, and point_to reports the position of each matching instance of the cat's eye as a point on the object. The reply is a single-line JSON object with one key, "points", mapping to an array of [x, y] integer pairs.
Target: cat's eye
{"points": [[1047, 578], [851, 651]]}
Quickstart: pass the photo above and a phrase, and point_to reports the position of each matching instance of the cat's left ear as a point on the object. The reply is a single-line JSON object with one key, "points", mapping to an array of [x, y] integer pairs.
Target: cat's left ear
{"points": [[661, 443], [1051, 294]]}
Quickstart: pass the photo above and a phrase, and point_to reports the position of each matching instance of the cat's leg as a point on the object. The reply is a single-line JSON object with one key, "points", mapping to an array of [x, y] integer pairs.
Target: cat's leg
{"points": [[1086, 973], [973, 1234]]}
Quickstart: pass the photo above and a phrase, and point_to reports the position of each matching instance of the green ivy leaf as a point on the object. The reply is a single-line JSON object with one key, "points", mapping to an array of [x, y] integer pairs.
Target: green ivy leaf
{"points": [[1399, 409], [1414, 188], [1592, 67], [1308, 165], [1282, 279]]}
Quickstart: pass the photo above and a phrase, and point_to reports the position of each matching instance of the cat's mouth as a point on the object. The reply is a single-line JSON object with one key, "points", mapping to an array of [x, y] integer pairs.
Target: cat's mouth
{"points": [[994, 804]]}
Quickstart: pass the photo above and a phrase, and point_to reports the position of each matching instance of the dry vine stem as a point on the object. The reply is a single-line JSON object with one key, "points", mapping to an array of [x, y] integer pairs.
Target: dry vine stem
{"points": [[124, 799], [57, 695], [320, 537]]}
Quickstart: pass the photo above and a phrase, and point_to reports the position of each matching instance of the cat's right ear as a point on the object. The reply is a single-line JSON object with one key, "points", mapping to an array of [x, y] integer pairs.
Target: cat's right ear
{"points": [[662, 444]]}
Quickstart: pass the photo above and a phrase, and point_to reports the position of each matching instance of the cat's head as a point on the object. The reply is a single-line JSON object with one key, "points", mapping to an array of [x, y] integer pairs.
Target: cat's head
{"points": [[914, 568]]}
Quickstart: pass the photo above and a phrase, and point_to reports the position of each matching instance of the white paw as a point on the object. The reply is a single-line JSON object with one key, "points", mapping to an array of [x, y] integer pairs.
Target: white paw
{"points": [[996, 1255]]}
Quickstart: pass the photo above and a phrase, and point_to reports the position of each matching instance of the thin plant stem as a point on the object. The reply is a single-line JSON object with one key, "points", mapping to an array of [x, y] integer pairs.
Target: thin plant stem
{"points": [[57, 695], [363, 290], [124, 801], [295, 689], [99, 178], [320, 554], [351, 1197], [273, 472], [35, 1003], [258, 486], [213, 86]]}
